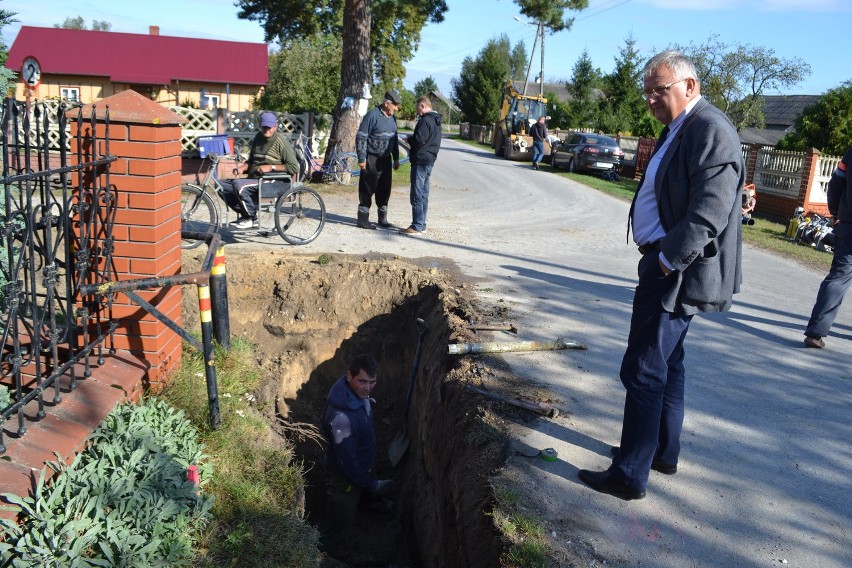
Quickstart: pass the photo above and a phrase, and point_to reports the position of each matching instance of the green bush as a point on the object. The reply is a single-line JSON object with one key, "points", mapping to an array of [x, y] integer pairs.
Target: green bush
{"points": [[125, 501]]}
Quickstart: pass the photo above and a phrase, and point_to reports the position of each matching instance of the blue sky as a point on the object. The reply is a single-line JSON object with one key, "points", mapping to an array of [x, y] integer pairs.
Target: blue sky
{"points": [[815, 31]]}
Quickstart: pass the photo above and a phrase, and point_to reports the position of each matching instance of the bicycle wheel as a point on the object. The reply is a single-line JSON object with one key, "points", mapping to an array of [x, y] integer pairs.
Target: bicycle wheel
{"points": [[345, 168], [299, 216], [197, 213]]}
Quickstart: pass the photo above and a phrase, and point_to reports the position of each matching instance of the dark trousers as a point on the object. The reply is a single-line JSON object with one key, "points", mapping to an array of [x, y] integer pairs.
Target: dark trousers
{"points": [[375, 181], [341, 505], [537, 151], [835, 285], [653, 374], [419, 195], [242, 195]]}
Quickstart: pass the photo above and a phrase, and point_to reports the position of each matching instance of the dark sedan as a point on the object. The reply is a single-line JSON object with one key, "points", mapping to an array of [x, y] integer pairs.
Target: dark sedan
{"points": [[587, 152]]}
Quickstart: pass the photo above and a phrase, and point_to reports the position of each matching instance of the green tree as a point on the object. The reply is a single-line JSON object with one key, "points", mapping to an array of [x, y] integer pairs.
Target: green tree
{"points": [[623, 105], [78, 23], [478, 91], [584, 87], [423, 86], [304, 76], [378, 36], [560, 115], [7, 76], [826, 125], [734, 77], [519, 61], [551, 13]]}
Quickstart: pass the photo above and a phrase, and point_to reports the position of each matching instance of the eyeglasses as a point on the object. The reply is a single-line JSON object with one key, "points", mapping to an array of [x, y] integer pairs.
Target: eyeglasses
{"points": [[658, 91]]}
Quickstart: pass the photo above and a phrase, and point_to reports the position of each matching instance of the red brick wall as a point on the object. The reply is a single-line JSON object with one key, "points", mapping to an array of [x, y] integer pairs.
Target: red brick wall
{"points": [[146, 179]]}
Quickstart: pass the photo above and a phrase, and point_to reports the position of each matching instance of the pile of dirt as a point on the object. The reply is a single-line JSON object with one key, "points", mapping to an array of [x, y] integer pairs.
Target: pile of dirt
{"points": [[307, 317]]}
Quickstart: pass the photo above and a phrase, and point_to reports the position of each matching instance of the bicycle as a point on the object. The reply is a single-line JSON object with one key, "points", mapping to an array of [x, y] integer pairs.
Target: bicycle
{"points": [[296, 213], [342, 166]]}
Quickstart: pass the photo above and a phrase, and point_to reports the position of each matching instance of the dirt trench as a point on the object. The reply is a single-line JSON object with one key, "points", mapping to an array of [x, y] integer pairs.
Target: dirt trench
{"points": [[308, 319]]}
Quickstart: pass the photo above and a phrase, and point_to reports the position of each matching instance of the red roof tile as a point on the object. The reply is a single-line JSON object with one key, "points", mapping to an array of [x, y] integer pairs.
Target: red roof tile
{"points": [[138, 58]]}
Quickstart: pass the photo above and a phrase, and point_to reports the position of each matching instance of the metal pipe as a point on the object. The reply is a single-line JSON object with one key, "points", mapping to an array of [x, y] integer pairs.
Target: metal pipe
{"points": [[498, 347], [219, 299], [206, 316]]}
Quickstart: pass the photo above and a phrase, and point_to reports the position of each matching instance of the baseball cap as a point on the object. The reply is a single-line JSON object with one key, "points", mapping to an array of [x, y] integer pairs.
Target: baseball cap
{"points": [[268, 119], [393, 97]]}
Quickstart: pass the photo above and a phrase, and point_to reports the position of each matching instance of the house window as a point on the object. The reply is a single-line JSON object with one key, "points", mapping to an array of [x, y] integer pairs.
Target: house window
{"points": [[209, 102], [70, 94]]}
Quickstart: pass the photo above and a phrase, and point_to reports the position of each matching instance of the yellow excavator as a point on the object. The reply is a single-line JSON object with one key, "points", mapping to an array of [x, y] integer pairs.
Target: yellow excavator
{"points": [[518, 113]]}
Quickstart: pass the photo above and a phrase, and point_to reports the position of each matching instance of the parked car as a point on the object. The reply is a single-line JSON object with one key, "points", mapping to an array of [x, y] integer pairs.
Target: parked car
{"points": [[587, 152]]}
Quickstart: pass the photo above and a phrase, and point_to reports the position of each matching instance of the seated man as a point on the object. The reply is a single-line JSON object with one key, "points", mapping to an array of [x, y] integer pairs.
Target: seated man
{"points": [[270, 152]]}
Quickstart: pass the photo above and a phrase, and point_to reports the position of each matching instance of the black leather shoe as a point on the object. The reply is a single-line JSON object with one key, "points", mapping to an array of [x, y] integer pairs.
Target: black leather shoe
{"points": [[656, 465], [604, 482]]}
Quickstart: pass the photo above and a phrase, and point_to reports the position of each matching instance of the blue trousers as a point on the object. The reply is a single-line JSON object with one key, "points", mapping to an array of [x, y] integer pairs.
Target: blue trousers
{"points": [[835, 285], [654, 376], [419, 195], [537, 151]]}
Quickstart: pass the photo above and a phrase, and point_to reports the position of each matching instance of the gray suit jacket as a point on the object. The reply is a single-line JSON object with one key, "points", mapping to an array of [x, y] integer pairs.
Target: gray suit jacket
{"points": [[698, 187]]}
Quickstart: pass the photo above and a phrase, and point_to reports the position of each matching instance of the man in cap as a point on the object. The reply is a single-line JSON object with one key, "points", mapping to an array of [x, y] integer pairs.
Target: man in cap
{"points": [[378, 151], [270, 152]]}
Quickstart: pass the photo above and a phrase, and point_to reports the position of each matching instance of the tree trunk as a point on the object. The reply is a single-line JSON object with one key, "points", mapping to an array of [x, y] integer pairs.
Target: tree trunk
{"points": [[354, 73]]}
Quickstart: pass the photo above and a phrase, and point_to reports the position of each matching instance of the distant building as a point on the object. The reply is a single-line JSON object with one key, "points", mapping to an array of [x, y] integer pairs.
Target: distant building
{"points": [[780, 113], [87, 66]]}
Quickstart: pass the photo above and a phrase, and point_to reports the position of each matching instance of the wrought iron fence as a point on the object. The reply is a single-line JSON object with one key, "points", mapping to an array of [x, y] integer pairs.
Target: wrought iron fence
{"points": [[56, 236]]}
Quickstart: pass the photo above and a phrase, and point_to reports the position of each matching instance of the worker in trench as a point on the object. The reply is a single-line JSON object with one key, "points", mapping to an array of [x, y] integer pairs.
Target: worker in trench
{"points": [[349, 454]]}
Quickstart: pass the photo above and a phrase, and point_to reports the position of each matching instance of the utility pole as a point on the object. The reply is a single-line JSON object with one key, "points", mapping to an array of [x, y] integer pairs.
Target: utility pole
{"points": [[541, 76]]}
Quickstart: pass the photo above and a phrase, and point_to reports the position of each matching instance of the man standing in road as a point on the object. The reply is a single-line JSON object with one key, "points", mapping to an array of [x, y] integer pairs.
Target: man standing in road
{"points": [[424, 146], [686, 221], [835, 285], [376, 144], [350, 451], [539, 135]]}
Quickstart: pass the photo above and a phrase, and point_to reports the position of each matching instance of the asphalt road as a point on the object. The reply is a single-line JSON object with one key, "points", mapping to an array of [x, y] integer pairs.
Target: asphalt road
{"points": [[764, 477]]}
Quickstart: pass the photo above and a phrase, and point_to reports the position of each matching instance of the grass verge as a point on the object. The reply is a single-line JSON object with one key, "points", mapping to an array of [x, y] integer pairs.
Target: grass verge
{"points": [[258, 488], [524, 531]]}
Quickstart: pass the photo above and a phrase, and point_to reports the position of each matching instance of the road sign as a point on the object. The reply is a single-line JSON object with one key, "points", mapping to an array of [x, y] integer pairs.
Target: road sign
{"points": [[31, 72]]}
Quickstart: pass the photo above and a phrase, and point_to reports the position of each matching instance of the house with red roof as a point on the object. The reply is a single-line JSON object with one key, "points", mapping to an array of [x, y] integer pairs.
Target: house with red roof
{"points": [[86, 66]]}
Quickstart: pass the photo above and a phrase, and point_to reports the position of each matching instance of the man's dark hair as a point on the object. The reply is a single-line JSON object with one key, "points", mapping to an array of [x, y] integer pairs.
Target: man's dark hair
{"points": [[364, 362]]}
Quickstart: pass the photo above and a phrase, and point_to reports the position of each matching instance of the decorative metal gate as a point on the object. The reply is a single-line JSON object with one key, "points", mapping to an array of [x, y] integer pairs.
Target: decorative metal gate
{"points": [[55, 237]]}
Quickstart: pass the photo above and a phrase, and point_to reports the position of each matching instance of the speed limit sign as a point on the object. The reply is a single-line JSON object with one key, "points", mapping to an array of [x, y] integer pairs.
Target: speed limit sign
{"points": [[31, 72]]}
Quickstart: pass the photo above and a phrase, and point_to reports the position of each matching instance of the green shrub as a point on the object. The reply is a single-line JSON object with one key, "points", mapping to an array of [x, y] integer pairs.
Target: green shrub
{"points": [[125, 501]]}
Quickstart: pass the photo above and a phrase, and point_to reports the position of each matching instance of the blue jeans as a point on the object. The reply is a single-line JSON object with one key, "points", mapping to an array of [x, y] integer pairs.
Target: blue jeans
{"points": [[537, 151], [419, 195], [654, 376], [835, 285]]}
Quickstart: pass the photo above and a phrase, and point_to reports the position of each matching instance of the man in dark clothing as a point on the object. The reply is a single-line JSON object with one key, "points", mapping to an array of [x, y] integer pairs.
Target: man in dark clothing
{"points": [[835, 285], [270, 152], [376, 145], [539, 135], [424, 146], [350, 450]]}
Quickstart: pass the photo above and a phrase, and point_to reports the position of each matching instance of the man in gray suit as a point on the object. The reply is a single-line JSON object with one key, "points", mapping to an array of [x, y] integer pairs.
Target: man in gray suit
{"points": [[686, 222]]}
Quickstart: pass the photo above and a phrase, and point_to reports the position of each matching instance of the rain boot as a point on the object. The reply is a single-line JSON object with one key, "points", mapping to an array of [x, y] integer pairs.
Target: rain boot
{"points": [[383, 218], [364, 218]]}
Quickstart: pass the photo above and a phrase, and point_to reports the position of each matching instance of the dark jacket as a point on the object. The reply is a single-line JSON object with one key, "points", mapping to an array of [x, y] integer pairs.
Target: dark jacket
{"points": [[538, 131], [698, 186], [839, 191], [273, 151], [351, 440], [426, 140]]}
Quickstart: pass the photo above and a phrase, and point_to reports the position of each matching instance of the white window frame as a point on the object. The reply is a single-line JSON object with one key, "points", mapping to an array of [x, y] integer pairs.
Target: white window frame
{"points": [[211, 102], [64, 93]]}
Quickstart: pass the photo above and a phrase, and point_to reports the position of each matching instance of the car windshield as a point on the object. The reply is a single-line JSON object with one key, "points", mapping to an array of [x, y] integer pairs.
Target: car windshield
{"points": [[600, 140]]}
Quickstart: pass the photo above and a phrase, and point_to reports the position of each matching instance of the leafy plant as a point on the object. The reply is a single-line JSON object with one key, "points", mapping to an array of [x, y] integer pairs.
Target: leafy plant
{"points": [[125, 501]]}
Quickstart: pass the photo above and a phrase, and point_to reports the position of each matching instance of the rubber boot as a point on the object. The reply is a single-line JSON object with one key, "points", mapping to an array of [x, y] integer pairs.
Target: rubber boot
{"points": [[383, 218], [364, 218]]}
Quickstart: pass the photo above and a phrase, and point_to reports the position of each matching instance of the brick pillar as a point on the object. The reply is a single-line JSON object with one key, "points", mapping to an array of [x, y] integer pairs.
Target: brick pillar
{"points": [[751, 164], [147, 178], [809, 174]]}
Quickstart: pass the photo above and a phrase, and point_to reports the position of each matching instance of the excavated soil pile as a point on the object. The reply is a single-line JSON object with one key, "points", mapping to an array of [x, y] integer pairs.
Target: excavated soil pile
{"points": [[308, 318]]}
